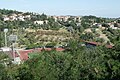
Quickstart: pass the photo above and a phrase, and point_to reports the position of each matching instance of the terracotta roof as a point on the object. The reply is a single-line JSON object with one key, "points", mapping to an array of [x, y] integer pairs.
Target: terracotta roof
{"points": [[24, 54], [94, 43], [48, 49], [108, 46], [60, 49]]}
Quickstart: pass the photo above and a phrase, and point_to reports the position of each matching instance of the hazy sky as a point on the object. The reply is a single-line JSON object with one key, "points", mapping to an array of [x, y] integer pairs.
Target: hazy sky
{"points": [[103, 8]]}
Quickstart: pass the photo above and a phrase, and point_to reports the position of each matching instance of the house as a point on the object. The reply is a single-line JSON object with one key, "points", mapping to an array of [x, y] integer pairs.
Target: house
{"points": [[59, 49], [21, 18], [20, 56], [4, 49], [28, 16], [91, 44], [23, 54], [12, 18], [113, 27], [54, 17], [6, 18], [39, 22], [94, 44], [97, 24]]}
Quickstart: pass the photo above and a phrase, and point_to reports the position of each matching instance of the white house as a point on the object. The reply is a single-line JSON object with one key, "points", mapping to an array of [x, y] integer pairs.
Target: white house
{"points": [[4, 49], [39, 22], [21, 18], [113, 27], [12, 18], [6, 19]]}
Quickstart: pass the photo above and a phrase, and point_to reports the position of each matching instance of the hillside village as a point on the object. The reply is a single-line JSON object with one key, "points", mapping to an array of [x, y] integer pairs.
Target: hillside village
{"points": [[98, 28], [37, 30], [58, 42]]}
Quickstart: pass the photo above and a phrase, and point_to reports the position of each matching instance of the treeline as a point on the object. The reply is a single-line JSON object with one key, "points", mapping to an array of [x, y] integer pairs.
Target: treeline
{"points": [[76, 63]]}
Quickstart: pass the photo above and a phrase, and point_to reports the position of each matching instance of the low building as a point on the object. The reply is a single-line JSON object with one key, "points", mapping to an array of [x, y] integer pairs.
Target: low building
{"points": [[6, 18], [4, 49], [39, 22]]}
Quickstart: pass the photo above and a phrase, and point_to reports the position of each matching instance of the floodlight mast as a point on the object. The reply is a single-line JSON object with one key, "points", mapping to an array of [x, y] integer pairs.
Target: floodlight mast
{"points": [[5, 31]]}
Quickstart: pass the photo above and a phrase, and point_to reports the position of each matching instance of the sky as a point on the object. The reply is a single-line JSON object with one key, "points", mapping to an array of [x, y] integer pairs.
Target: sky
{"points": [[101, 8]]}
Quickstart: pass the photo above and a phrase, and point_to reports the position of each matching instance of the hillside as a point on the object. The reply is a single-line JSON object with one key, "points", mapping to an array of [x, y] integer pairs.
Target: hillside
{"points": [[33, 28], [59, 47]]}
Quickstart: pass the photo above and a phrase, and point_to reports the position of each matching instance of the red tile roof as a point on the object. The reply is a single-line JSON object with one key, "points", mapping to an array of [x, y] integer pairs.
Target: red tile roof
{"points": [[108, 46], [97, 43], [94, 43], [48, 49], [24, 54], [60, 49]]}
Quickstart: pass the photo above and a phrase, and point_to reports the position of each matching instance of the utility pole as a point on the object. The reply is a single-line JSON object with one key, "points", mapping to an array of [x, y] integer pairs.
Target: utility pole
{"points": [[13, 51]]}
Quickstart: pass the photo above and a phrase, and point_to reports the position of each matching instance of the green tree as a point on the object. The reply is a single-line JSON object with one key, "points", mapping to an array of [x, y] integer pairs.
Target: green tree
{"points": [[87, 36]]}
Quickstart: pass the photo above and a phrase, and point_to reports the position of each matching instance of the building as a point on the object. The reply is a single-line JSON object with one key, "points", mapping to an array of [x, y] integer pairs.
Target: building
{"points": [[19, 56], [94, 44], [39, 22]]}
